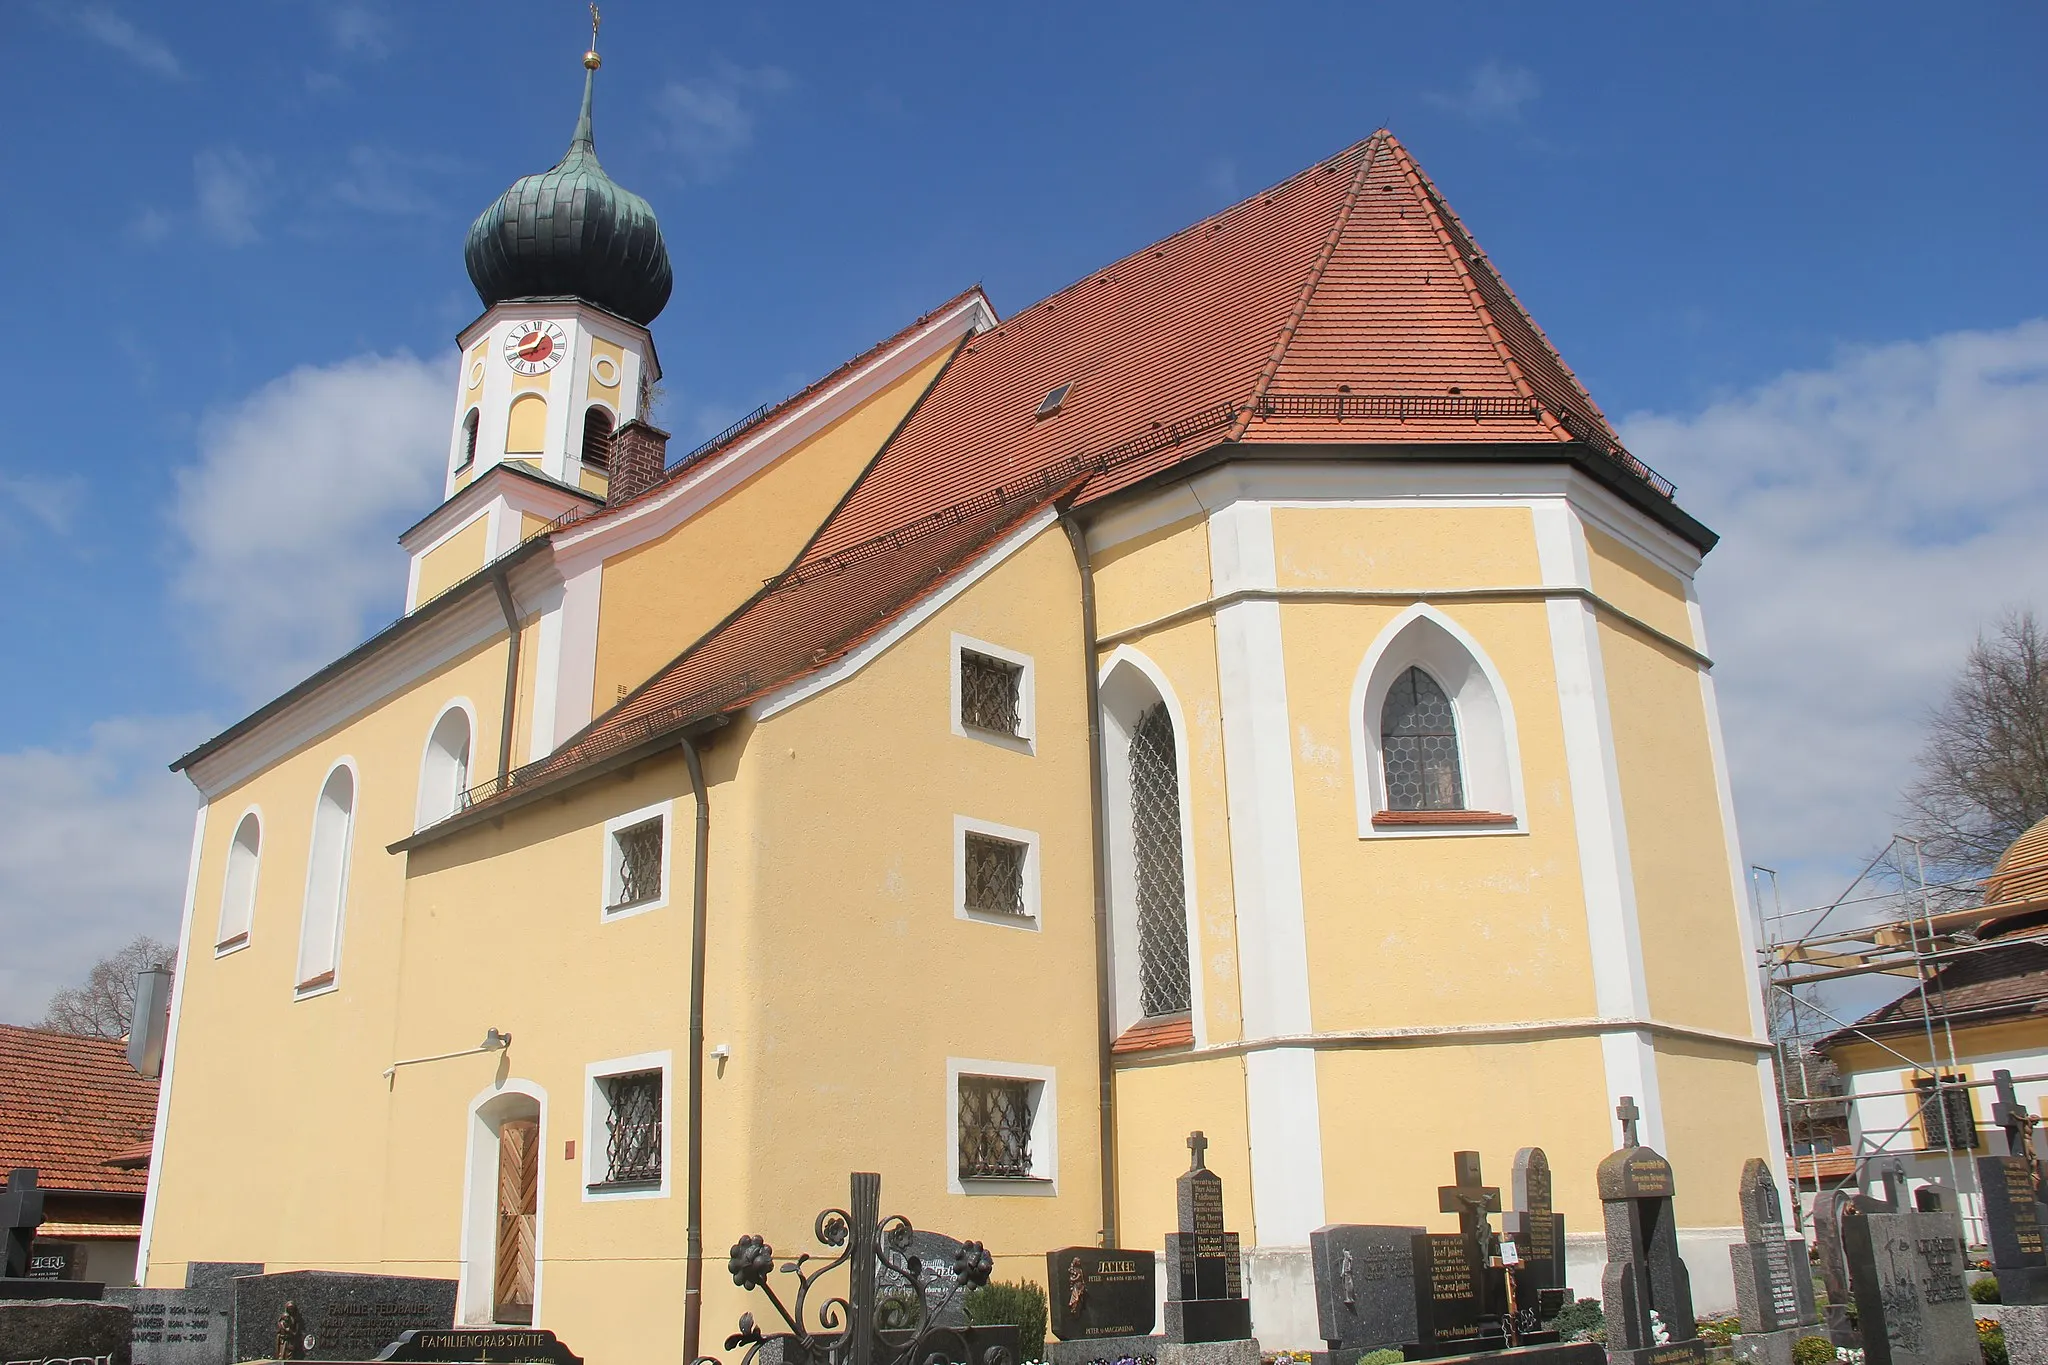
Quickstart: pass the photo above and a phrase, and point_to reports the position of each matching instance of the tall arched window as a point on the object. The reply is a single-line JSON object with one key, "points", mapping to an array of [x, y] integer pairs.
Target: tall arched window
{"points": [[1419, 746], [1161, 879], [597, 438], [444, 770], [468, 453], [327, 880], [238, 888]]}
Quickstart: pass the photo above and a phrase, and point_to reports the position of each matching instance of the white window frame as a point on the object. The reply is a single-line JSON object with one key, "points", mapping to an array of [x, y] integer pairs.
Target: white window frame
{"points": [[355, 802], [1489, 751], [422, 817], [225, 943], [963, 825], [596, 1108], [607, 878], [1025, 741], [1044, 1180]]}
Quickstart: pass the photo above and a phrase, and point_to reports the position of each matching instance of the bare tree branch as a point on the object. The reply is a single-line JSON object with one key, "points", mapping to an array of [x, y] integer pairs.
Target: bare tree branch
{"points": [[102, 1007]]}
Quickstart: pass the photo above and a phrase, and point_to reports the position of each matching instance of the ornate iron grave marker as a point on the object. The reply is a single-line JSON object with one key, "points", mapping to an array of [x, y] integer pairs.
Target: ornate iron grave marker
{"points": [[842, 1328]]}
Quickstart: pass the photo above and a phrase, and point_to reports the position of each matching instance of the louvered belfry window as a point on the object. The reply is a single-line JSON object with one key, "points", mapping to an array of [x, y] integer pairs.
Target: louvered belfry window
{"points": [[1419, 746], [636, 865], [1162, 881], [995, 875], [991, 693], [995, 1128], [632, 1130], [1947, 1119]]}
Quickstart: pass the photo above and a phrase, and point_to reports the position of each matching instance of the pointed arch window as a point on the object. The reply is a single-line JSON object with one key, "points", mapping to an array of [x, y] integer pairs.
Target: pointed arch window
{"points": [[334, 819], [1163, 986], [238, 888], [1419, 746], [467, 455], [597, 439]]}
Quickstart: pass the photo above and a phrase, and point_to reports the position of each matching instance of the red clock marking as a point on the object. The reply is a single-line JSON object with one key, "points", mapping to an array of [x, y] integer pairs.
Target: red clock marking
{"points": [[536, 346]]}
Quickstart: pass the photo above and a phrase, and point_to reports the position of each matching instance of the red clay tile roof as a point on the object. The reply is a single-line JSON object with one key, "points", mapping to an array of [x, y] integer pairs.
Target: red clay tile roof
{"points": [[1345, 306], [68, 1105], [1988, 985], [1148, 1035]]}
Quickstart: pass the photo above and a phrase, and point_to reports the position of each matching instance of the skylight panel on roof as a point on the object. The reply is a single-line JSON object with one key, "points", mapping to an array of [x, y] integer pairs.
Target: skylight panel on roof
{"points": [[1053, 401]]}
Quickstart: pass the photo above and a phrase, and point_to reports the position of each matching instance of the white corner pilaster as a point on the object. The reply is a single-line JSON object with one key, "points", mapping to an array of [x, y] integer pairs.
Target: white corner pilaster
{"points": [[1620, 985], [170, 1060], [1283, 1111]]}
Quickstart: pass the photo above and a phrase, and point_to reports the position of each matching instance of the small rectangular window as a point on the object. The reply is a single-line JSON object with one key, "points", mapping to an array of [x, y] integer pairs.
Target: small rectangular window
{"points": [[636, 865], [1948, 1122], [991, 693], [1054, 401], [995, 875], [632, 1128], [996, 1115]]}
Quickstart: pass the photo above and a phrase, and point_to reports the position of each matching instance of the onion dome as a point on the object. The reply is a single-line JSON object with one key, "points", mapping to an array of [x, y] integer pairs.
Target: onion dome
{"points": [[2022, 873], [572, 231]]}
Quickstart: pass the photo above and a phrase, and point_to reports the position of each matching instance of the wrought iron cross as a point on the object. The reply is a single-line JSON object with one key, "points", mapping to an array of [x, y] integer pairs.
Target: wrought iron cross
{"points": [[1627, 1112], [1199, 1146]]}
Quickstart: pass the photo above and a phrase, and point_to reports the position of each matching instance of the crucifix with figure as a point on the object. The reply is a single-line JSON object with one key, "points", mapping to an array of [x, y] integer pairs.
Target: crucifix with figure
{"points": [[2008, 1113], [1472, 1199]]}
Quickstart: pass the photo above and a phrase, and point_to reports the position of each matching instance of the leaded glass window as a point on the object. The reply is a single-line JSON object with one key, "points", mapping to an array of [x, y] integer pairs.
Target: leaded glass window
{"points": [[636, 865], [632, 1130], [1162, 879], [995, 1128], [995, 875], [1419, 746], [991, 693]]}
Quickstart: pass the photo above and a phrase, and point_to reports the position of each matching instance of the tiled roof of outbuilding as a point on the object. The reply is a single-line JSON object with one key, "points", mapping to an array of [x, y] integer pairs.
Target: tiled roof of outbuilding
{"points": [[69, 1106]]}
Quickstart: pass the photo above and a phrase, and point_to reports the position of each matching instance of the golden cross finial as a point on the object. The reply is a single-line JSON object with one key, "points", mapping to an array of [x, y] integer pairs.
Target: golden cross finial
{"points": [[590, 58]]}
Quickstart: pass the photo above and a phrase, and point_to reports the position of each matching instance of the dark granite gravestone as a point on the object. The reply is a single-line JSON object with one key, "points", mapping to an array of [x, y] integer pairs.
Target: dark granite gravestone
{"points": [[218, 1274], [942, 1299], [2013, 1214], [339, 1316], [1537, 1234], [1450, 1312], [21, 1213], [1365, 1288], [1646, 1291], [1101, 1292], [1834, 1261], [64, 1332], [1204, 1273], [482, 1346], [1773, 1286], [179, 1326], [1906, 1271]]}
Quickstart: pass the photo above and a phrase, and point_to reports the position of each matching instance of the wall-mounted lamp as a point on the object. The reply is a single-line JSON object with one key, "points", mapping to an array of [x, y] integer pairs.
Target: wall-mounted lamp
{"points": [[494, 1041]]}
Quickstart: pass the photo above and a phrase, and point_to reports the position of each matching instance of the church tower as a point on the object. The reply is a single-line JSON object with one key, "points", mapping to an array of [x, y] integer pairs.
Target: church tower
{"points": [[571, 268]]}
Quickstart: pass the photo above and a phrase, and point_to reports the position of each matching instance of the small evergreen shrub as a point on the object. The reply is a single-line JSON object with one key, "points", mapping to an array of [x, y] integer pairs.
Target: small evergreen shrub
{"points": [[1813, 1351], [1005, 1303], [1991, 1341], [1984, 1290], [1578, 1322], [1385, 1355]]}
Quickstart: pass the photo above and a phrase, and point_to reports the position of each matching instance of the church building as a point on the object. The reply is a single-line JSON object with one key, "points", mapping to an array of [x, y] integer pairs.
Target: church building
{"points": [[1250, 690]]}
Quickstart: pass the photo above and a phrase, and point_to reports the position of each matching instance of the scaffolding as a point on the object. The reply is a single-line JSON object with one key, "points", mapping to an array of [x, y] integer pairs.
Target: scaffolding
{"points": [[1890, 922]]}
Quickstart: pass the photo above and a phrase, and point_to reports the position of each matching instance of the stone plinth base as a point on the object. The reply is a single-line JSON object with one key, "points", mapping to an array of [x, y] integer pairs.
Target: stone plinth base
{"points": [[2026, 1285], [67, 1329], [1201, 1320], [1555, 1353], [1088, 1350], [1241, 1352], [2026, 1332], [1344, 1355], [1771, 1348], [1676, 1353]]}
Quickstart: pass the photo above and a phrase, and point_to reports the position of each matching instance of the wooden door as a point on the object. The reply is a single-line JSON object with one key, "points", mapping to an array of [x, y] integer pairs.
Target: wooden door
{"points": [[518, 1209]]}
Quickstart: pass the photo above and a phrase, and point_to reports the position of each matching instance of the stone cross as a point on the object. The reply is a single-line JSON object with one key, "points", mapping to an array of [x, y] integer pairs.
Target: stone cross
{"points": [[1627, 1112], [1198, 1146], [21, 1213]]}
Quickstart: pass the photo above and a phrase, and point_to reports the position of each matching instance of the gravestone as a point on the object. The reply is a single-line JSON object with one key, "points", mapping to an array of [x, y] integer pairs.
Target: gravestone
{"points": [[1773, 1285], [333, 1315], [218, 1274], [1536, 1231], [179, 1326], [1646, 1291], [52, 1260], [1449, 1300], [2012, 1211], [1365, 1288], [1828, 1213], [482, 1346], [1101, 1292], [1205, 1299], [1906, 1270], [64, 1332], [21, 1213], [942, 1295]]}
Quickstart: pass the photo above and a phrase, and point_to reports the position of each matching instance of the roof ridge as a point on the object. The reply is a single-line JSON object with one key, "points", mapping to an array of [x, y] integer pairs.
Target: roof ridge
{"points": [[1290, 328]]}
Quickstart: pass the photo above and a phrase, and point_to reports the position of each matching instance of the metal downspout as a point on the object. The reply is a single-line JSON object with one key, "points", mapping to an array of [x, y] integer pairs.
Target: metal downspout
{"points": [[504, 587], [1105, 1024], [693, 1264]]}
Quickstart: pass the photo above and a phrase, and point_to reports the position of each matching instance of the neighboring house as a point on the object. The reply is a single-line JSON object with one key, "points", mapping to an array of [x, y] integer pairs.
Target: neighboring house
{"points": [[74, 1109], [1251, 690], [1982, 1009]]}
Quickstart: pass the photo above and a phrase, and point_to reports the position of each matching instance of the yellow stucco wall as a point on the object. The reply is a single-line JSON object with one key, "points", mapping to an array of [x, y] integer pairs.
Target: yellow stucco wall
{"points": [[660, 597], [1404, 548], [526, 425], [1713, 1122], [453, 560], [1156, 1107], [1148, 576], [1640, 588], [593, 391]]}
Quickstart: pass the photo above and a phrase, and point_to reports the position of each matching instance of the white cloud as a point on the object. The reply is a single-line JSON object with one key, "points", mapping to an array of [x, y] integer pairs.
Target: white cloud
{"points": [[232, 190], [710, 120], [93, 848], [382, 181], [1494, 93], [109, 29], [1876, 514], [288, 517], [358, 29]]}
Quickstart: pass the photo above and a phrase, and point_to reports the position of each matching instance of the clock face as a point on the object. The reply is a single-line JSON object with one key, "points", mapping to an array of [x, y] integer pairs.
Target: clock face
{"points": [[535, 347]]}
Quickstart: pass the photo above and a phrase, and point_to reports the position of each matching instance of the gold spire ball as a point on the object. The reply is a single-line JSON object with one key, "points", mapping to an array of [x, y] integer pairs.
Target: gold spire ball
{"points": [[591, 60]]}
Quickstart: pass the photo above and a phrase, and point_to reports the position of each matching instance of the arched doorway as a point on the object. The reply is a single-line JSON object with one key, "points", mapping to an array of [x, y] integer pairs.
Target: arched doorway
{"points": [[501, 1264]]}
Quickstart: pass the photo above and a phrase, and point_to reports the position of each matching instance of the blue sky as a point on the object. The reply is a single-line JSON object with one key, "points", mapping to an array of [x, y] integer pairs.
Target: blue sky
{"points": [[1796, 249]]}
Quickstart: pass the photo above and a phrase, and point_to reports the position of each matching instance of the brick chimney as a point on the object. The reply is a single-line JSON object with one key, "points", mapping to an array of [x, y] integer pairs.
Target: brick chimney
{"points": [[639, 455]]}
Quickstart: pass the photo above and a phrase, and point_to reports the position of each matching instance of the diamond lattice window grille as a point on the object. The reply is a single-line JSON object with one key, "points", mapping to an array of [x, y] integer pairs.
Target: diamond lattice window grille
{"points": [[636, 864], [991, 693], [995, 1128], [632, 1130], [1419, 746], [1947, 1120], [995, 875], [1162, 881]]}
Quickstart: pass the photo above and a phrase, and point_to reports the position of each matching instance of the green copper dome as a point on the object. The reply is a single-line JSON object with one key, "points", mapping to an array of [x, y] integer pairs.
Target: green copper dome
{"points": [[571, 231]]}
